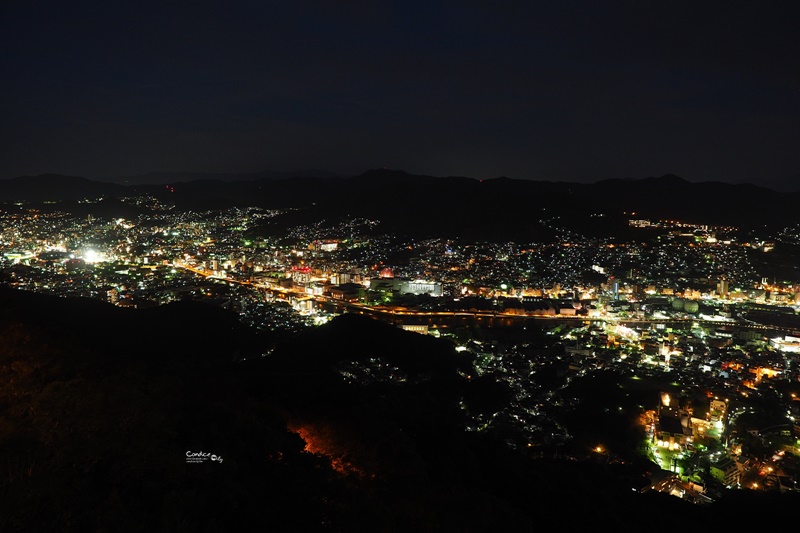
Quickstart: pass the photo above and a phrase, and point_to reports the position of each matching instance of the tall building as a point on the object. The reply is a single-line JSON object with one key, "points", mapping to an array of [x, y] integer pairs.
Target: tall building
{"points": [[722, 287]]}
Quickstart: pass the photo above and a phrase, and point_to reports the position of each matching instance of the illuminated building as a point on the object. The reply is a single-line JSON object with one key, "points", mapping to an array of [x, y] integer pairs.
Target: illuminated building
{"points": [[673, 428], [434, 288], [301, 274], [722, 288], [786, 344], [416, 328], [323, 246], [726, 471], [348, 292], [406, 286], [341, 277], [717, 410]]}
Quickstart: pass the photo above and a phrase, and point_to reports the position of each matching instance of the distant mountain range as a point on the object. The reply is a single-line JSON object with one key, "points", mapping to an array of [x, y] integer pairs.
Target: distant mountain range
{"points": [[450, 205], [162, 178], [784, 184], [56, 187]]}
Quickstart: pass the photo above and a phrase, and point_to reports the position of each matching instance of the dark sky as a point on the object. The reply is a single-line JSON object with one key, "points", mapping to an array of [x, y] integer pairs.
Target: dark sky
{"points": [[558, 90]]}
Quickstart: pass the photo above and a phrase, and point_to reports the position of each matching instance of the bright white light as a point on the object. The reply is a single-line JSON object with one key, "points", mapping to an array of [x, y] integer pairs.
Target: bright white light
{"points": [[93, 256]]}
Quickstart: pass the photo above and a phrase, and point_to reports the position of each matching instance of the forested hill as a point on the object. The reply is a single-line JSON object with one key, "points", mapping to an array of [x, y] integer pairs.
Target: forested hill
{"points": [[100, 405]]}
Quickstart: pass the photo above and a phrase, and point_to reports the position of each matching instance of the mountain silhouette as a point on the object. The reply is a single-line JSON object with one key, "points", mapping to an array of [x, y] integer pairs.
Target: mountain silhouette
{"points": [[428, 206]]}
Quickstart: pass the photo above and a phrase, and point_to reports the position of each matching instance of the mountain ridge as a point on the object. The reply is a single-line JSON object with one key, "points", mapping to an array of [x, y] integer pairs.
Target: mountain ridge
{"points": [[423, 204]]}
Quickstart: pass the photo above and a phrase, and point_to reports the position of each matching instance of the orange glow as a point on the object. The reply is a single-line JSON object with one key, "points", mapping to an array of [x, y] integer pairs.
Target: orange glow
{"points": [[321, 441], [767, 372]]}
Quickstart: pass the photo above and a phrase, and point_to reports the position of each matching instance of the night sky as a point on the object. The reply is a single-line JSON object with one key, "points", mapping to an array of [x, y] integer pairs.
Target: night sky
{"points": [[560, 90]]}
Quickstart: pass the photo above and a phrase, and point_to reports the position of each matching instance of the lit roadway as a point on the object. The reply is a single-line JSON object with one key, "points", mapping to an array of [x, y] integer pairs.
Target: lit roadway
{"points": [[206, 274], [405, 313]]}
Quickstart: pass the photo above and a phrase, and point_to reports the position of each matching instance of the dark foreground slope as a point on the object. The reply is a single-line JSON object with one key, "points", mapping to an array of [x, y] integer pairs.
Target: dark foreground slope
{"points": [[100, 405]]}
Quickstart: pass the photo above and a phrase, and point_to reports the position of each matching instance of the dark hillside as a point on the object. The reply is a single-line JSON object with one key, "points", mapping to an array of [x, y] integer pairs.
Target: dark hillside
{"points": [[354, 426]]}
